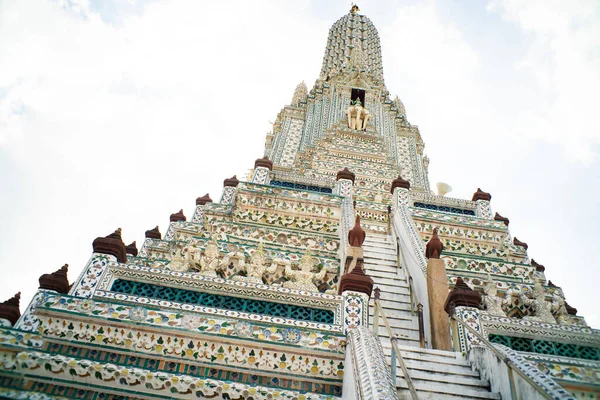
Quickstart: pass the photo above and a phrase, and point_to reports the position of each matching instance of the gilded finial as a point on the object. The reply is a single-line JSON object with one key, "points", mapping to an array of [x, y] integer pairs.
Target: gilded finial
{"points": [[354, 9]]}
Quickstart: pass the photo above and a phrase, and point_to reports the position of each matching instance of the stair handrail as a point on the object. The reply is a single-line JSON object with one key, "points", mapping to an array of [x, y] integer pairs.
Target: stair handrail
{"points": [[413, 261], [395, 349], [511, 366], [409, 279], [400, 257]]}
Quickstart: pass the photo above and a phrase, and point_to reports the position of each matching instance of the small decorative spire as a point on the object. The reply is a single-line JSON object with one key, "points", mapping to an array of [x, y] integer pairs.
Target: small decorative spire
{"points": [[499, 217], [178, 216], [231, 182], [345, 174], [153, 233], [356, 280], [112, 245], [354, 9], [481, 195], [462, 296], [9, 309], [538, 267], [434, 246], [200, 201], [517, 242], [300, 94], [132, 249], [56, 281], [264, 162], [399, 182], [356, 235]]}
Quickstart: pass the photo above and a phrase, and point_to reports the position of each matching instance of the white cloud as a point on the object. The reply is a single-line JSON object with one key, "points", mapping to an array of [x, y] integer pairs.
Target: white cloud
{"points": [[564, 61]]}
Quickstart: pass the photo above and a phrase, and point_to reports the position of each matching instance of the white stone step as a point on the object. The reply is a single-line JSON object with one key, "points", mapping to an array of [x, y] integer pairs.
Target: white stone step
{"points": [[388, 278], [442, 390], [378, 263], [377, 255], [398, 318], [436, 377], [382, 265], [391, 247], [386, 285]]}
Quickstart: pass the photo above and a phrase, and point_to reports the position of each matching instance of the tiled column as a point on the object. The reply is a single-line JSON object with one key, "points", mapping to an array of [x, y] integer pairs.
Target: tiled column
{"points": [[463, 302], [228, 195], [262, 166], [482, 199], [400, 189]]}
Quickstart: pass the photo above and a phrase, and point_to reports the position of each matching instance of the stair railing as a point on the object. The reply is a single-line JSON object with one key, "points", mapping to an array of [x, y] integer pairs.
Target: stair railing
{"points": [[512, 368], [396, 355], [411, 292]]}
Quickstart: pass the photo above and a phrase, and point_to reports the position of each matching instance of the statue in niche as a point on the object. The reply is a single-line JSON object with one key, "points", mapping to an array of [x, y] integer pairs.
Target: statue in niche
{"points": [[358, 116], [491, 300], [542, 309], [256, 268], [304, 278], [211, 261]]}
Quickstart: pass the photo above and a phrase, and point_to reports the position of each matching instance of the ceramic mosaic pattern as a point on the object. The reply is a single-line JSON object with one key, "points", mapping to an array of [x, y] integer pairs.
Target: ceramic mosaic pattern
{"points": [[370, 366], [90, 277], [567, 369], [293, 127], [260, 176], [470, 316], [356, 310], [208, 323], [144, 381], [576, 334]]}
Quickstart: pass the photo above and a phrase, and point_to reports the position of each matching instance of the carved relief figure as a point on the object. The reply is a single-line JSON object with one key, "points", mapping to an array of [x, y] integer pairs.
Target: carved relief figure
{"points": [[211, 261], [491, 300], [178, 260], [560, 310], [542, 308], [257, 267], [304, 278]]}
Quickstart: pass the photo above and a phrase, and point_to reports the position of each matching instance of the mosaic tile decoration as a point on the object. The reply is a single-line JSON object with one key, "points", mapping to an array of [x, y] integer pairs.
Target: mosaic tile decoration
{"points": [[224, 302]]}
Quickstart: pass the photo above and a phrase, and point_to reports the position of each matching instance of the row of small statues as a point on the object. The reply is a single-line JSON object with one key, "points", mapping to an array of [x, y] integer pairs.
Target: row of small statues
{"points": [[358, 116], [209, 261], [544, 311]]}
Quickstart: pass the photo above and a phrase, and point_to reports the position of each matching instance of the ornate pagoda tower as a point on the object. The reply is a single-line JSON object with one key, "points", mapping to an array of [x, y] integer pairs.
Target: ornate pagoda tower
{"points": [[332, 271]]}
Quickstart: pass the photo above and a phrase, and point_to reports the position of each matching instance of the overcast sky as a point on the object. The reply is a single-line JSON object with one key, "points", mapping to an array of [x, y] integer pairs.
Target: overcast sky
{"points": [[117, 114]]}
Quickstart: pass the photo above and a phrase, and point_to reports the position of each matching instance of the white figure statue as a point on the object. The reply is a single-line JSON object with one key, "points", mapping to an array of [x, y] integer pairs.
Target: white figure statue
{"points": [[304, 278], [366, 118], [491, 300], [191, 256], [349, 112], [560, 310], [257, 267], [211, 261], [542, 308], [178, 261]]}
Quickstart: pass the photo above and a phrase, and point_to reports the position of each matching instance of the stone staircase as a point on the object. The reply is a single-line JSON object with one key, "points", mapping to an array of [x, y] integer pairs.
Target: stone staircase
{"points": [[436, 374]]}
